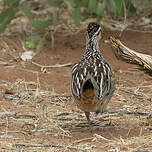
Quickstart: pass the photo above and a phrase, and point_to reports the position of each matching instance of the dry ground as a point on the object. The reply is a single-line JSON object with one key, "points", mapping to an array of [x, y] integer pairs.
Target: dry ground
{"points": [[37, 112]]}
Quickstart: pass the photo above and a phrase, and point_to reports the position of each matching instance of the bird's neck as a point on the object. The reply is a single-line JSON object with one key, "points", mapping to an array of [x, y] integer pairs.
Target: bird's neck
{"points": [[92, 44]]}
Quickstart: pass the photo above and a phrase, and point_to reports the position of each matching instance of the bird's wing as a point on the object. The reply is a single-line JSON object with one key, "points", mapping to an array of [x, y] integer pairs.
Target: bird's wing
{"points": [[100, 74], [78, 78], [102, 79]]}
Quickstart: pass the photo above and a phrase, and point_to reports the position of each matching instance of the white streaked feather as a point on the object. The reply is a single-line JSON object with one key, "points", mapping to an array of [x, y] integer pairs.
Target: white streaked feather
{"points": [[101, 81], [77, 80], [95, 68], [85, 71], [95, 73], [104, 69], [77, 91], [82, 76], [74, 67]]}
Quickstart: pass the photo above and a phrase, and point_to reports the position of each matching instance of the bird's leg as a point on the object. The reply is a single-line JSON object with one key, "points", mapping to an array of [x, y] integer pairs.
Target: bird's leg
{"points": [[87, 114]]}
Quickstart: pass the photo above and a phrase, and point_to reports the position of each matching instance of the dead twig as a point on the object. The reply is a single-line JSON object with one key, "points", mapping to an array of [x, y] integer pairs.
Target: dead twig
{"points": [[48, 145], [122, 111], [82, 140], [101, 137], [83, 125], [38, 145], [7, 114], [15, 116], [52, 66], [43, 67], [25, 117], [130, 56], [130, 92]]}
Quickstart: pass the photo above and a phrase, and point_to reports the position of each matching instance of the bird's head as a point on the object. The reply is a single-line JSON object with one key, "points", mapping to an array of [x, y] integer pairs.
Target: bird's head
{"points": [[93, 30]]}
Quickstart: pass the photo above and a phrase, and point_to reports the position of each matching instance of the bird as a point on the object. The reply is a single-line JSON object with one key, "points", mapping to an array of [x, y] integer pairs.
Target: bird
{"points": [[92, 80]]}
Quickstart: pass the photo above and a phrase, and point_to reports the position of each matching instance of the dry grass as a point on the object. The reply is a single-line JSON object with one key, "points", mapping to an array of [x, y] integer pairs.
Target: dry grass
{"points": [[35, 119], [45, 113], [42, 120]]}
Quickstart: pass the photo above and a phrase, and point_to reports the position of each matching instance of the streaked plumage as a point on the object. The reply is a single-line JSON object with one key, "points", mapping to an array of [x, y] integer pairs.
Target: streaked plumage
{"points": [[92, 82]]}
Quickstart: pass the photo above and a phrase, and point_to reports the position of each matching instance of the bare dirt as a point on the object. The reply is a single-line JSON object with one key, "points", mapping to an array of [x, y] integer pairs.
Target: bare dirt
{"points": [[38, 114]]}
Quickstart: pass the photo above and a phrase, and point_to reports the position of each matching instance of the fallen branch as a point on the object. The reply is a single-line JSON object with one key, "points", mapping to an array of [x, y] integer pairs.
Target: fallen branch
{"points": [[130, 56]]}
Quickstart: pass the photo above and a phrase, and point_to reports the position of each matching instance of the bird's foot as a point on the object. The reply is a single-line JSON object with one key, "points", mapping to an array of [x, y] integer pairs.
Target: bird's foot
{"points": [[89, 121]]}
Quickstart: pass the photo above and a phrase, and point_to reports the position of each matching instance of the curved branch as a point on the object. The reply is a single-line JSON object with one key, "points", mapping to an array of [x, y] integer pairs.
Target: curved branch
{"points": [[130, 56]]}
